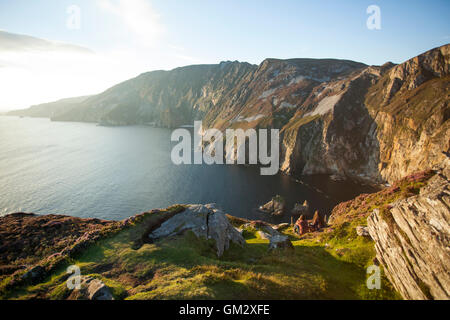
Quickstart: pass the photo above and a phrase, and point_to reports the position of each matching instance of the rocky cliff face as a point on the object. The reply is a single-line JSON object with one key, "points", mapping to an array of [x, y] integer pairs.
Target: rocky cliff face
{"points": [[412, 240], [377, 125], [51, 109], [333, 132], [410, 105], [336, 117], [165, 98]]}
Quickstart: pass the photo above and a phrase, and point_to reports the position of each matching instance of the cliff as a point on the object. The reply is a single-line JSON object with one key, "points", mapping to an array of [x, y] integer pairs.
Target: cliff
{"points": [[371, 123], [378, 125], [412, 240]]}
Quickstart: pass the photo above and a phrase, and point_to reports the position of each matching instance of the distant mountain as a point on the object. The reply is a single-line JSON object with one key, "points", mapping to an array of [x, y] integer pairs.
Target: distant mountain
{"points": [[49, 110], [340, 117], [221, 94]]}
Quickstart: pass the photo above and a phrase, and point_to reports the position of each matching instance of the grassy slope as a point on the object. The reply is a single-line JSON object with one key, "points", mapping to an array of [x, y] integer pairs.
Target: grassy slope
{"points": [[325, 265], [187, 268]]}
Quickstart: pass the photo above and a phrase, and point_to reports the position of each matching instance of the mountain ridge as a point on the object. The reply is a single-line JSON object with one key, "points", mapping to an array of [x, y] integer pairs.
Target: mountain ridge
{"points": [[336, 117]]}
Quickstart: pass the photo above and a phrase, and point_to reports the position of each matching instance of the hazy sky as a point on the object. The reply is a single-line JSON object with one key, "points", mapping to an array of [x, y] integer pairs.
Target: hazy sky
{"points": [[48, 51]]}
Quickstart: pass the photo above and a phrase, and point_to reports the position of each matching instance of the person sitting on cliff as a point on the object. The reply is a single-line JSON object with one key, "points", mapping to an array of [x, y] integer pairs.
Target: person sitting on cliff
{"points": [[301, 226]]}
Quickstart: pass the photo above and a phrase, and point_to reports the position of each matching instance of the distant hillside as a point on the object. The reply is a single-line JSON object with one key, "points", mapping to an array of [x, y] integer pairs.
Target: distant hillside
{"points": [[49, 110], [338, 117]]}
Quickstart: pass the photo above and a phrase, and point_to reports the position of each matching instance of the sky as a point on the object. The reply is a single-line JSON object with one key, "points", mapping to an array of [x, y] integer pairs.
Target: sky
{"points": [[57, 49]]}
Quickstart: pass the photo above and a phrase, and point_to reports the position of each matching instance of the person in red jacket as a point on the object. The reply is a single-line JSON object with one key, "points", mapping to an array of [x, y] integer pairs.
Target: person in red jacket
{"points": [[301, 226]]}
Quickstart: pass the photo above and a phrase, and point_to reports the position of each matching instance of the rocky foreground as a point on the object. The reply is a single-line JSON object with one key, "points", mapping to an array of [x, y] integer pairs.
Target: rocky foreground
{"points": [[199, 252], [412, 239]]}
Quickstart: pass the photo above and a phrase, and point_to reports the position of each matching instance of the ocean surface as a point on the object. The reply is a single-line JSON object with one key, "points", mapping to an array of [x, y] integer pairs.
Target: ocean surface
{"points": [[86, 170]]}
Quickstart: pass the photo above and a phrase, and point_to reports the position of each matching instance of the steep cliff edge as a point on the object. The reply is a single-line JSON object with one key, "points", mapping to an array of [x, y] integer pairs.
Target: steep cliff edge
{"points": [[371, 123], [333, 132], [410, 105], [377, 125], [412, 240]]}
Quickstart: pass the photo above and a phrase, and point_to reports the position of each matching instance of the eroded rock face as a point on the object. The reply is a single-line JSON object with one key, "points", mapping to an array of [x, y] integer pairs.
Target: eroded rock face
{"points": [[412, 240], [336, 117], [205, 221], [379, 124]]}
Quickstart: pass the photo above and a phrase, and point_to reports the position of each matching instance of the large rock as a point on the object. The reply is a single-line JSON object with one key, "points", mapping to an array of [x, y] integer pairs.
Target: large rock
{"points": [[301, 209], [280, 242], [205, 221], [362, 231], [35, 275], [94, 289], [412, 241], [275, 206]]}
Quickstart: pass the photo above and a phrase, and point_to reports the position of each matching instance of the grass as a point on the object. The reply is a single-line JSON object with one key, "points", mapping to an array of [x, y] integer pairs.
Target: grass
{"points": [[186, 267], [330, 264]]}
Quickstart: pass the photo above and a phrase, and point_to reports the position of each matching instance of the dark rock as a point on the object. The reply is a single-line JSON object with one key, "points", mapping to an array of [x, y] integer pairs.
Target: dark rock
{"points": [[276, 206], [301, 209], [94, 289], [280, 242], [35, 275]]}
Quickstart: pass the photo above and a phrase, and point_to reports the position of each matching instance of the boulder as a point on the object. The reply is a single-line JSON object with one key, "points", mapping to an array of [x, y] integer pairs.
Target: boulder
{"points": [[301, 209], [362, 231], [281, 226], [94, 289], [280, 242], [269, 230], [221, 230], [34, 275], [205, 221], [263, 235], [276, 206]]}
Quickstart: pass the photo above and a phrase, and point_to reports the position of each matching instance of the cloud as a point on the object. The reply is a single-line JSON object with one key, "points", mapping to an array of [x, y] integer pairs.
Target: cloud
{"points": [[139, 18], [35, 70], [19, 42]]}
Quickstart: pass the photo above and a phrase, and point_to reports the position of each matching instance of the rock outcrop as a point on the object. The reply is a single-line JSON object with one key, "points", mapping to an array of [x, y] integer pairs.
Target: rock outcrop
{"points": [[276, 206], [412, 240], [280, 242], [205, 221], [410, 106], [362, 231], [301, 209], [92, 289]]}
